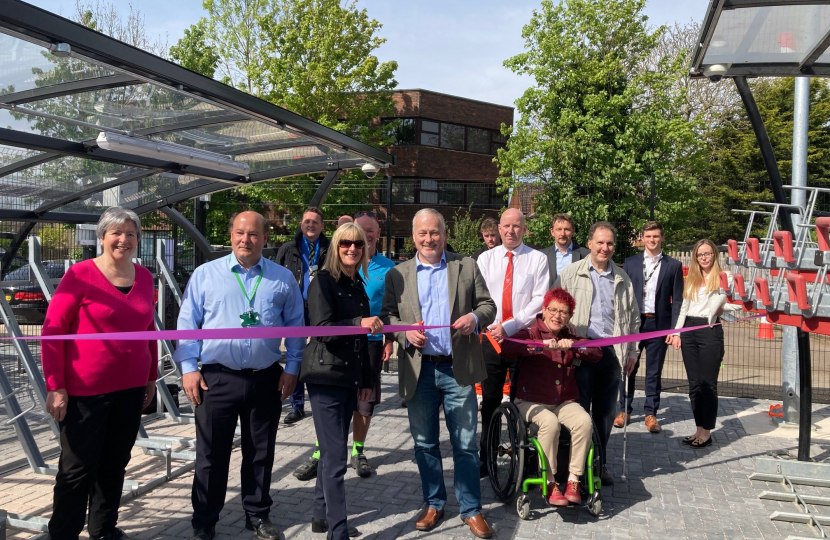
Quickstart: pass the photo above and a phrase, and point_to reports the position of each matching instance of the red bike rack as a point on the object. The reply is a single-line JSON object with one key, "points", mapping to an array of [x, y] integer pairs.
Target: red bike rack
{"points": [[797, 290], [822, 228], [753, 250], [732, 249], [783, 245], [762, 291]]}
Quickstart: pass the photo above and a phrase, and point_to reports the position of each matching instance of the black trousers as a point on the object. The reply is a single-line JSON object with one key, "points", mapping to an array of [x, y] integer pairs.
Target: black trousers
{"points": [[655, 351], [492, 390], [702, 355], [97, 436], [598, 385], [333, 408], [253, 399]]}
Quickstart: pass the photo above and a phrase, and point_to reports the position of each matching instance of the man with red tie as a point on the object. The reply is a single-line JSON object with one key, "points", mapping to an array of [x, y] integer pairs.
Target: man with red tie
{"points": [[517, 278]]}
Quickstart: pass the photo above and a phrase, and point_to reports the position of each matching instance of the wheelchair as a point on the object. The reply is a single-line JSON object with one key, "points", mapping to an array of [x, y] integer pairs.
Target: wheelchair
{"points": [[516, 462]]}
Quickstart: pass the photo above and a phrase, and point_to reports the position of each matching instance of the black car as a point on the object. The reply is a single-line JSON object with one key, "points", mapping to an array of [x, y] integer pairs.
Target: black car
{"points": [[27, 301]]}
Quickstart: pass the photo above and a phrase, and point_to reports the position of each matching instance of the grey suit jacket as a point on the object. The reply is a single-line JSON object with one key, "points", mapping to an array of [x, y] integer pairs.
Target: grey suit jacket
{"points": [[578, 253], [468, 294]]}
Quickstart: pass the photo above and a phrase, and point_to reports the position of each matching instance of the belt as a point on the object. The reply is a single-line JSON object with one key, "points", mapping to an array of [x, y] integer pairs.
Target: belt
{"points": [[248, 372], [437, 359], [647, 315]]}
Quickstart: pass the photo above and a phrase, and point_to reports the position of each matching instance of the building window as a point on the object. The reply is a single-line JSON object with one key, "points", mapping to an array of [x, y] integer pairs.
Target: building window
{"points": [[452, 194], [429, 192], [499, 141], [452, 136], [429, 133], [403, 193], [478, 140], [401, 130], [479, 194]]}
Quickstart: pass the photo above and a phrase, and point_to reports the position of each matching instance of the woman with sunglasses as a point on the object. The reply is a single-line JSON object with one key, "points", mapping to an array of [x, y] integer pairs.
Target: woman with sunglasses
{"points": [[702, 349], [547, 393], [336, 370]]}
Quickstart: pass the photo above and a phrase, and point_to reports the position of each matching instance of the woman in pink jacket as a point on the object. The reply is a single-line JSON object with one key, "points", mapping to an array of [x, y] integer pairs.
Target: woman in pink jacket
{"points": [[97, 389]]}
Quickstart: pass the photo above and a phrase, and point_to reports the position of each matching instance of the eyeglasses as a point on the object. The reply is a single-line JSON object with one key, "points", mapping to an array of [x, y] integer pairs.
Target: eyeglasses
{"points": [[552, 312], [367, 213], [359, 244], [705, 255]]}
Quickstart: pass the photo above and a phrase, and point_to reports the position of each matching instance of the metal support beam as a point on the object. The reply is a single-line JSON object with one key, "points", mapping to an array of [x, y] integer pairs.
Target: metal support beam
{"points": [[324, 188], [198, 238], [11, 251], [48, 217], [23, 164], [707, 29], [119, 180], [807, 64], [68, 89]]}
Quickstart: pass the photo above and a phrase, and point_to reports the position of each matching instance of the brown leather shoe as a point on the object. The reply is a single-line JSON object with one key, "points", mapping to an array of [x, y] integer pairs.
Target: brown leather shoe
{"points": [[478, 526], [428, 519], [652, 425], [621, 418]]}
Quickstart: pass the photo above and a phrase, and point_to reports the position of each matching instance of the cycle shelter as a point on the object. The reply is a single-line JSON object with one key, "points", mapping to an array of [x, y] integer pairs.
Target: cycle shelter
{"points": [[89, 122]]}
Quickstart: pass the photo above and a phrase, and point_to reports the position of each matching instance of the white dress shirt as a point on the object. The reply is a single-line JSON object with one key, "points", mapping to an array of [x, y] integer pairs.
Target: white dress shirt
{"points": [[530, 283], [651, 270]]}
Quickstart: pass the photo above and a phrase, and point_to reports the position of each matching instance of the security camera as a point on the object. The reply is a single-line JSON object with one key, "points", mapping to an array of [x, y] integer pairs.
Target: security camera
{"points": [[370, 170], [716, 72]]}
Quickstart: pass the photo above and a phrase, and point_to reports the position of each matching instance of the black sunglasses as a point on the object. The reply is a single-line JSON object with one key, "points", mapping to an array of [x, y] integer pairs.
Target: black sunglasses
{"points": [[365, 213], [359, 244]]}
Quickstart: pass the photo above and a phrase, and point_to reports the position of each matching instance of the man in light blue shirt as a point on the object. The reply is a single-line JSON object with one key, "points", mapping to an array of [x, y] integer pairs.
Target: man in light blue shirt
{"points": [[238, 377]]}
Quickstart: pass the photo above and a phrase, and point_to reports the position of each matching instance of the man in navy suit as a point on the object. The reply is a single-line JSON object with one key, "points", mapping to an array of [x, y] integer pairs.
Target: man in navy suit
{"points": [[658, 286], [564, 251]]}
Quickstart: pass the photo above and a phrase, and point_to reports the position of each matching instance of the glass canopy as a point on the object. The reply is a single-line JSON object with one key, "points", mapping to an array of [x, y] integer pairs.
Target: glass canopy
{"points": [[62, 85], [778, 38]]}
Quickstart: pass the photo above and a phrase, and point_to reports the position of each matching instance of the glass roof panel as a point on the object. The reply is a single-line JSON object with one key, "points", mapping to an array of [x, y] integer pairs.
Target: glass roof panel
{"points": [[303, 155], [773, 34], [138, 192], [231, 137], [48, 182], [11, 154], [24, 66]]}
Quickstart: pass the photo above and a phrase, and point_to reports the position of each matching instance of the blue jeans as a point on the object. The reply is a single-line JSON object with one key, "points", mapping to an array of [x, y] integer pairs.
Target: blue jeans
{"points": [[437, 387]]}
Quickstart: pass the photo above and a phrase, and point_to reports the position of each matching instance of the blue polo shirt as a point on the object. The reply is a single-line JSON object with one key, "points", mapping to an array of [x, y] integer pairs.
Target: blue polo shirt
{"points": [[374, 285]]}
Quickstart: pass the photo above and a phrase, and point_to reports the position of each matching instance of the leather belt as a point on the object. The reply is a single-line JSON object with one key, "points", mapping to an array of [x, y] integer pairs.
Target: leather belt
{"points": [[248, 372], [437, 359], [647, 315]]}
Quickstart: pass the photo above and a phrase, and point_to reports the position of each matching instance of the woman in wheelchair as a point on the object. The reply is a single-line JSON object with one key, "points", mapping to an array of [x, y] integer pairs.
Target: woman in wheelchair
{"points": [[546, 390]]}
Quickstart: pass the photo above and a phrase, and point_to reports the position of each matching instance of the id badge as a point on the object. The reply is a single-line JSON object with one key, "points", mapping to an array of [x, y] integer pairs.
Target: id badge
{"points": [[249, 318], [312, 272]]}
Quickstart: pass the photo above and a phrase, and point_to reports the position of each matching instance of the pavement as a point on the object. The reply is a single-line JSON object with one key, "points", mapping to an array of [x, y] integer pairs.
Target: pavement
{"points": [[671, 490]]}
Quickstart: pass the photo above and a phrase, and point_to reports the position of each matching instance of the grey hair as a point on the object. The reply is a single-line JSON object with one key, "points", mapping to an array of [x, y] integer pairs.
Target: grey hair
{"points": [[116, 216], [429, 212]]}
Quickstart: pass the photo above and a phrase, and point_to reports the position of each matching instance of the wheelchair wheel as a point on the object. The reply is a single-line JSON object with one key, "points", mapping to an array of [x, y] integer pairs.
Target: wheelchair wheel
{"points": [[523, 506], [591, 484], [505, 452], [594, 504]]}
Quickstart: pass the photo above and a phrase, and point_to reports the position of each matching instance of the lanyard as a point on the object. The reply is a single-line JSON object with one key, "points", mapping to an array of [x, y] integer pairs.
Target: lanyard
{"points": [[250, 299], [648, 277]]}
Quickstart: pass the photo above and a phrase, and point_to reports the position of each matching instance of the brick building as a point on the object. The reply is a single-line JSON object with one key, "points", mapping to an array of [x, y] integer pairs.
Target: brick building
{"points": [[444, 149]]}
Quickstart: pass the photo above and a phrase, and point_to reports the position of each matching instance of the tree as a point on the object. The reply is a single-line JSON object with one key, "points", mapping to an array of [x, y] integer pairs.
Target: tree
{"points": [[598, 120], [463, 235], [194, 52], [236, 36]]}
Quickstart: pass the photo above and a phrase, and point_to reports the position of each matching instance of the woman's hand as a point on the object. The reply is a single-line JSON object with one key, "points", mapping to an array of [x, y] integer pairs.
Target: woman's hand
{"points": [[674, 341], [149, 392], [551, 344], [566, 343], [374, 324], [56, 402], [365, 394]]}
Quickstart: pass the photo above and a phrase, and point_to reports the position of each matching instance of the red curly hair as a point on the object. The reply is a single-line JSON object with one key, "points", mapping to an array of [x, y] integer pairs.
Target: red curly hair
{"points": [[562, 296]]}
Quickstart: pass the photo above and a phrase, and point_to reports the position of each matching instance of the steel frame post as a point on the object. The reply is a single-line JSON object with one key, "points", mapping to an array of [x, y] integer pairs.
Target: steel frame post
{"points": [[324, 188], [803, 341]]}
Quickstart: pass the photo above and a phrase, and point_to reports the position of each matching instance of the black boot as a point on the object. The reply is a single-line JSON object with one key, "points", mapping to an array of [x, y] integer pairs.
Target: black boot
{"points": [[322, 526]]}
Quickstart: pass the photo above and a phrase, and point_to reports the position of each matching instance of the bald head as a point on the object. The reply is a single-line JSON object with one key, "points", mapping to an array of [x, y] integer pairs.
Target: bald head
{"points": [[343, 220], [512, 228], [250, 216], [249, 233]]}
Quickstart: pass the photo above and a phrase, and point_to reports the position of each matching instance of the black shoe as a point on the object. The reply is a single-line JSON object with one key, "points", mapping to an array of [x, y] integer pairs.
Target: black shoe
{"points": [[307, 470], [689, 440], [483, 472], [322, 526], [606, 478], [204, 533], [403, 404], [361, 465], [699, 443], [263, 528], [115, 534], [294, 416]]}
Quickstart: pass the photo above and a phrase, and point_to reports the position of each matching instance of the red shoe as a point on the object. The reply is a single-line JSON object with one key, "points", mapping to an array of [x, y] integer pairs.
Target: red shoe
{"points": [[556, 497], [572, 492]]}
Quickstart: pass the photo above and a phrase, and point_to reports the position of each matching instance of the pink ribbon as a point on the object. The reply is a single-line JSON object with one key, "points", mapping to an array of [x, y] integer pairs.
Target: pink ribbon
{"points": [[607, 342]]}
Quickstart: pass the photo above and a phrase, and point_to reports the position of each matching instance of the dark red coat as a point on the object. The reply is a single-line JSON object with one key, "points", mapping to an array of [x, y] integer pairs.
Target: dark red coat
{"points": [[547, 376]]}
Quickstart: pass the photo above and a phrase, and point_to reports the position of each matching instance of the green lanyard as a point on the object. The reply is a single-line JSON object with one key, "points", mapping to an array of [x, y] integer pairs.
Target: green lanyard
{"points": [[250, 299]]}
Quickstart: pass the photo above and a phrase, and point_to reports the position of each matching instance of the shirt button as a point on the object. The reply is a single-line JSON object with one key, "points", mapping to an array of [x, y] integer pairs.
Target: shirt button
{"points": [[556, 382], [560, 365]]}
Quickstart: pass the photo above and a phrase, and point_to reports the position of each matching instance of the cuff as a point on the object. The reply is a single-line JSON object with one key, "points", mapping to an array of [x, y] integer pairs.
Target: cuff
{"points": [[188, 365], [292, 367], [510, 327], [477, 330]]}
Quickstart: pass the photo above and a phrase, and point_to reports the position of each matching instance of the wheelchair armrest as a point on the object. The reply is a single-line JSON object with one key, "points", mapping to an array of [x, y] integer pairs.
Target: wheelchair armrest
{"points": [[532, 430]]}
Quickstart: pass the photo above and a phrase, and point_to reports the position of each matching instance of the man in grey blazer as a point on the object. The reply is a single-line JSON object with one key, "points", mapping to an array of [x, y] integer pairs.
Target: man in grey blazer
{"points": [[439, 366], [564, 251]]}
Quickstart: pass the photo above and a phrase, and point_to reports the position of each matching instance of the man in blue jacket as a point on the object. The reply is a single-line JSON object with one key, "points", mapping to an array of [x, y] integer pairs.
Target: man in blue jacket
{"points": [[658, 286]]}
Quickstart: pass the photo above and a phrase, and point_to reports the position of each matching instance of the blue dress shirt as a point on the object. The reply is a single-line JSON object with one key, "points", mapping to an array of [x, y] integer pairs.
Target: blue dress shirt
{"points": [[213, 299], [374, 284], [305, 251], [601, 320], [563, 259], [434, 296]]}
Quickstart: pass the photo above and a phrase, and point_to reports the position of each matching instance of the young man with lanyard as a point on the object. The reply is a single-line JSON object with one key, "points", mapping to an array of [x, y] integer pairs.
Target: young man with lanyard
{"points": [[241, 379], [378, 352], [658, 286], [303, 256]]}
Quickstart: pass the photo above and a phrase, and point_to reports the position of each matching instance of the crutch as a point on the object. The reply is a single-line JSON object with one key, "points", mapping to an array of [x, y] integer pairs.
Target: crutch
{"points": [[625, 415]]}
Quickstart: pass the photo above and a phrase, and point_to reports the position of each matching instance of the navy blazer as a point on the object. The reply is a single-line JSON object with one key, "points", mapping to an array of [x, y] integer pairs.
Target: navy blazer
{"points": [[577, 254], [669, 288]]}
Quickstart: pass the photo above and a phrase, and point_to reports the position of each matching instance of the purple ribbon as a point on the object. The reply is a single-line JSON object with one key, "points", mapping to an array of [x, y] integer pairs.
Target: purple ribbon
{"points": [[607, 342]]}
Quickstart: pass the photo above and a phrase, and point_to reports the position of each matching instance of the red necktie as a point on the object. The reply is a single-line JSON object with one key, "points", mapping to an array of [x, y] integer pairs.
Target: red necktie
{"points": [[507, 293]]}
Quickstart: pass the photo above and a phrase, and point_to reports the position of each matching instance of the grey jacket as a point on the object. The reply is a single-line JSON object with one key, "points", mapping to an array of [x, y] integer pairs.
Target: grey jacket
{"points": [[577, 254], [468, 294], [576, 280]]}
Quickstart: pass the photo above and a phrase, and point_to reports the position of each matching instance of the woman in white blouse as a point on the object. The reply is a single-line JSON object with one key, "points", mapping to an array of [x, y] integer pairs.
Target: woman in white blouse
{"points": [[702, 348]]}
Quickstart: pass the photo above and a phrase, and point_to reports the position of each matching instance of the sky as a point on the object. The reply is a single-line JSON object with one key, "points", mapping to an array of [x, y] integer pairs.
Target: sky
{"points": [[452, 46]]}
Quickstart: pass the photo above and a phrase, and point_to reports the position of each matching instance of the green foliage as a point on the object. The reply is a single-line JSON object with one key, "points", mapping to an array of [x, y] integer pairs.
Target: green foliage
{"points": [[596, 123], [463, 235], [193, 51]]}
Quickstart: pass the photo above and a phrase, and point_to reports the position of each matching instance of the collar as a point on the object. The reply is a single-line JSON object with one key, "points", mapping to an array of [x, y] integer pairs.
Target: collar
{"points": [[420, 264], [657, 258], [595, 269], [233, 263], [569, 250], [515, 251], [317, 242]]}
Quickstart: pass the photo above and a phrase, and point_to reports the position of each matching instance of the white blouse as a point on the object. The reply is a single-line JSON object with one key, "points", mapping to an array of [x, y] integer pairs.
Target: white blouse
{"points": [[708, 305]]}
